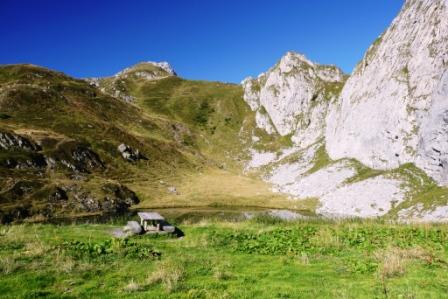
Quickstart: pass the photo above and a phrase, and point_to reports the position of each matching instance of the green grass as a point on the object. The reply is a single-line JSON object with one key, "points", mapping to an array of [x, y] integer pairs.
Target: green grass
{"points": [[422, 189], [362, 172], [320, 160], [270, 258]]}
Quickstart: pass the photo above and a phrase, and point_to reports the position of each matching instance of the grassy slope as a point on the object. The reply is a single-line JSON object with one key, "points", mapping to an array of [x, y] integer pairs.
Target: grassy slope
{"points": [[184, 128], [215, 259], [219, 125]]}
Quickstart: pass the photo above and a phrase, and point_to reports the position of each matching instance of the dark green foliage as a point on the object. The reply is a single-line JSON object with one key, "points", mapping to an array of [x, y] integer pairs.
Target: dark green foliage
{"points": [[202, 114], [300, 239], [111, 247]]}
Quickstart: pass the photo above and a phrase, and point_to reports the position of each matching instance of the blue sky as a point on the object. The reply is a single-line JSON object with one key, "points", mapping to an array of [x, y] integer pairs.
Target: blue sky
{"points": [[210, 40]]}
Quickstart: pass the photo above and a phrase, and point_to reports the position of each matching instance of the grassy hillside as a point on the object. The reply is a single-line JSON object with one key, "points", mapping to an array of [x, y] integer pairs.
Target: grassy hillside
{"points": [[183, 128]]}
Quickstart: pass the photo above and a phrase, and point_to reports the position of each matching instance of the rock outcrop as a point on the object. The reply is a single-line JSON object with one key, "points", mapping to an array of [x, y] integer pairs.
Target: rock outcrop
{"points": [[130, 154], [394, 109], [391, 114], [148, 70], [11, 141], [117, 85], [292, 97]]}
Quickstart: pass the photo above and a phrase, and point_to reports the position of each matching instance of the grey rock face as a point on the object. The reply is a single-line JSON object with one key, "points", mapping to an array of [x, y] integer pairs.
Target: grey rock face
{"points": [[79, 158], [392, 110], [85, 159], [114, 199], [433, 143], [23, 152], [292, 97]]}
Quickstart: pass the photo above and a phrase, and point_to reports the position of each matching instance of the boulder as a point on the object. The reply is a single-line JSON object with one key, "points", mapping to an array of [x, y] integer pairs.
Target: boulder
{"points": [[132, 228], [130, 154]]}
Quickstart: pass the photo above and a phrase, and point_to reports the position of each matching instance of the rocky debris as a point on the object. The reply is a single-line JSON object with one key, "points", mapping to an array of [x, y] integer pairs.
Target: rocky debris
{"points": [[292, 97], [10, 141], [29, 161], [132, 228], [286, 215], [118, 198], [86, 202], [58, 194], [172, 189], [259, 159], [23, 153], [130, 154], [182, 134], [80, 158], [393, 108], [110, 199], [287, 173]]}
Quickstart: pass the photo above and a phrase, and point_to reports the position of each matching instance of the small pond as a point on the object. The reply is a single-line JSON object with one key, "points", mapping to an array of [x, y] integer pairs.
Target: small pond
{"points": [[191, 215]]}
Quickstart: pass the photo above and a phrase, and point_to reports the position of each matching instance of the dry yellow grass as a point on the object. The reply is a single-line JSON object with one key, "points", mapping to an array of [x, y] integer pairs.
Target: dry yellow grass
{"points": [[216, 187], [8, 265], [393, 261], [326, 238], [168, 273], [132, 286]]}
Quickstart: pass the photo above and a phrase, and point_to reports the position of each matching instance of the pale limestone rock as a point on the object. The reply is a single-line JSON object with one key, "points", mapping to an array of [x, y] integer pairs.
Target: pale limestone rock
{"points": [[418, 213], [393, 109], [287, 173], [319, 183], [433, 146], [263, 121], [148, 70], [369, 198], [292, 97], [259, 159]]}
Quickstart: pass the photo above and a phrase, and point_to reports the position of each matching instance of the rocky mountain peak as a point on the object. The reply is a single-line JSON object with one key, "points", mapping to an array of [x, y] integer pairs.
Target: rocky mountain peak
{"points": [[291, 97], [148, 70]]}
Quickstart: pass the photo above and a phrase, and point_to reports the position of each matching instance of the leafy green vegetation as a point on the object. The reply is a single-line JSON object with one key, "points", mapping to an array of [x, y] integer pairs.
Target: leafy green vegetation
{"points": [[121, 247], [270, 257]]}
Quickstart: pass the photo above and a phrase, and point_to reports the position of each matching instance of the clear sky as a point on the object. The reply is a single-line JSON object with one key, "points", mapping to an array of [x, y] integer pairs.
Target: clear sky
{"points": [[223, 40]]}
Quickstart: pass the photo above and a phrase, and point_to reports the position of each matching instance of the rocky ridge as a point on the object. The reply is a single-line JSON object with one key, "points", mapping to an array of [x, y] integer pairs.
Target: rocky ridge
{"points": [[292, 97], [354, 149]]}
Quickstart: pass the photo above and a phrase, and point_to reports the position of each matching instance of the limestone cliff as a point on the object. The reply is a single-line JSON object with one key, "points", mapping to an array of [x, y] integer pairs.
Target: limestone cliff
{"points": [[292, 97], [394, 108]]}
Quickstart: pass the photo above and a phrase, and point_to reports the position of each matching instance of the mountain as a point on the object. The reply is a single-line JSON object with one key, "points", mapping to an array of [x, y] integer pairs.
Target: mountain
{"points": [[393, 109], [376, 146], [74, 147], [301, 135], [292, 97]]}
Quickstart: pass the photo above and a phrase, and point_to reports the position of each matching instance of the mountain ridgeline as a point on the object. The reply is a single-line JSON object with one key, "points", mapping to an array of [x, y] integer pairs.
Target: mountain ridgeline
{"points": [[301, 135]]}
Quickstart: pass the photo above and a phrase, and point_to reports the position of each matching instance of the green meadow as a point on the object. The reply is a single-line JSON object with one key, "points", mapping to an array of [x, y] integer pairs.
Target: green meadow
{"points": [[263, 257]]}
